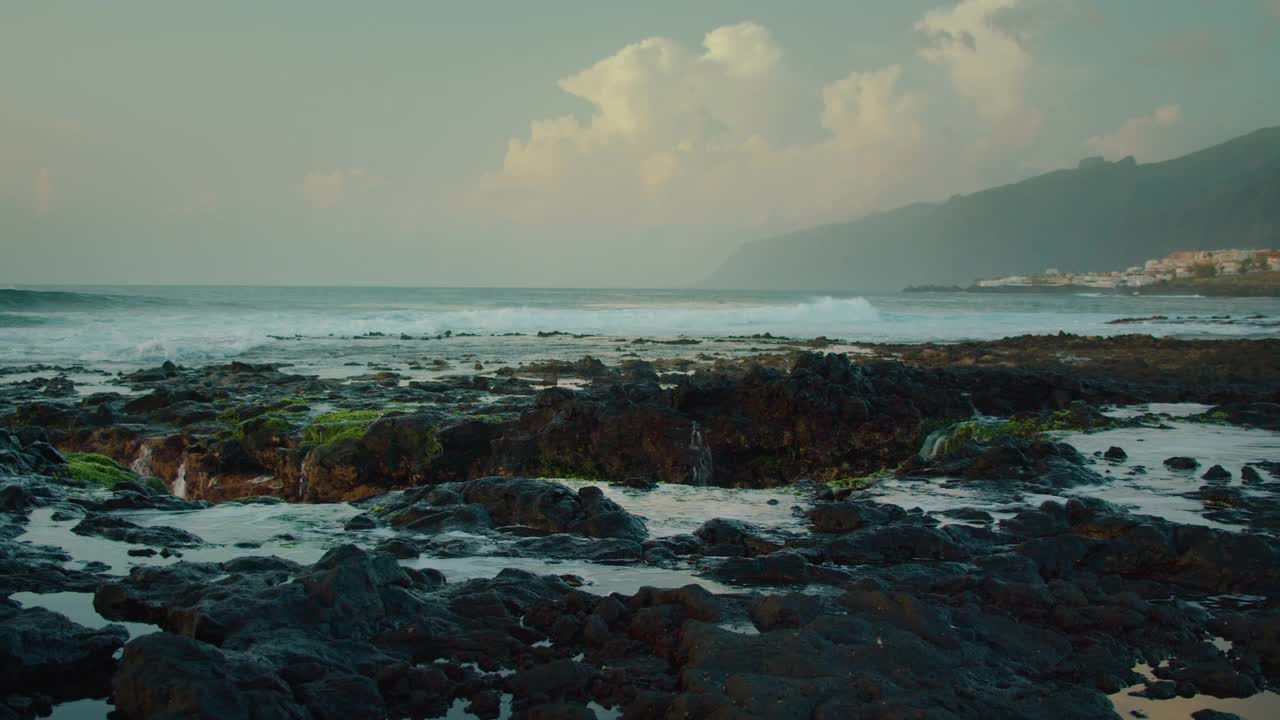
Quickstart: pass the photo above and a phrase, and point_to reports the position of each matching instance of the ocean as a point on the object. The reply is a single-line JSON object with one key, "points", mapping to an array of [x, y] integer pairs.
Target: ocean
{"points": [[332, 331]]}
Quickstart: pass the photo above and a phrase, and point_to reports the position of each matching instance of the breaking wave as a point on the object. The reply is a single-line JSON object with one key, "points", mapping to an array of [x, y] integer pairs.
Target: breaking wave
{"points": [[821, 316], [120, 327], [19, 320], [203, 332], [55, 300]]}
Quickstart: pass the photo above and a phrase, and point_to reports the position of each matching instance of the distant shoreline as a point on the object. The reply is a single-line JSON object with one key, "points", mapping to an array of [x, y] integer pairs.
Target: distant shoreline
{"points": [[1260, 284]]}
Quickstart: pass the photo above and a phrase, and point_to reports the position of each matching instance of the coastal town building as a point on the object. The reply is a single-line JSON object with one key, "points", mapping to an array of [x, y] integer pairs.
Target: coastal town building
{"points": [[1174, 266]]}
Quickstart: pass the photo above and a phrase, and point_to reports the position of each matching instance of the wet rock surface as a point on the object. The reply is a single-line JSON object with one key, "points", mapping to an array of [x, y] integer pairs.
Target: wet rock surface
{"points": [[514, 505], [1033, 464], [1179, 462], [45, 658], [115, 528], [1041, 617], [242, 429], [851, 608]]}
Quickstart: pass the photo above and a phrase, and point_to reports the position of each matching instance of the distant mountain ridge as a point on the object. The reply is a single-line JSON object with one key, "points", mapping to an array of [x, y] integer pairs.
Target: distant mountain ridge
{"points": [[1098, 215]]}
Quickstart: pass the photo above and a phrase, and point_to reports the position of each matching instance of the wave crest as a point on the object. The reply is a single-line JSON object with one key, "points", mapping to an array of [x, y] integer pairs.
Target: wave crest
{"points": [[53, 300], [149, 331], [822, 316]]}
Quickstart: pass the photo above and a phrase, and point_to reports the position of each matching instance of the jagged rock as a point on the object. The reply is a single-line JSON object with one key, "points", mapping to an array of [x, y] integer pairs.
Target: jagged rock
{"points": [[1030, 463], [117, 528], [1116, 454], [790, 610], [164, 675], [779, 568], [1265, 415], [852, 515], [551, 507], [44, 652], [736, 537], [1217, 472], [1208, 714]]}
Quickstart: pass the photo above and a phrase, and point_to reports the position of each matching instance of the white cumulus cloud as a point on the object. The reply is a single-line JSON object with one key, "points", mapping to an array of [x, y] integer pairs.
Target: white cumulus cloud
{"points": [[693, 137], [868, 109], [985, 53], [690, 135], [744, 49], [1138, 136]]}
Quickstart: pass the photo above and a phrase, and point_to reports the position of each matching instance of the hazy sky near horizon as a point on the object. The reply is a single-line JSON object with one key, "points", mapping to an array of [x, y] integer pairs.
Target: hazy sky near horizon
{"points": [[567, 143]]}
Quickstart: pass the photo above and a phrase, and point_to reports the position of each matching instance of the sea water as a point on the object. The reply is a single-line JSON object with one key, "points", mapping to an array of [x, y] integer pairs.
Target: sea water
{"points": [[330, 331]]}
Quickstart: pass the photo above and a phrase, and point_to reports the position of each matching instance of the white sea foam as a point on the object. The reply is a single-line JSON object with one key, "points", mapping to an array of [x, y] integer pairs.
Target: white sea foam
{"points": [[145, 326], [820, 315], [197, 334]]}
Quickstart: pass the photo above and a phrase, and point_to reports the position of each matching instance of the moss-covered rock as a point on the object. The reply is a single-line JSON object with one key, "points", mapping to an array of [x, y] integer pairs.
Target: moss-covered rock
{"points": [[350, 458], [101, 471], [263, 431], [97, 470], [860, 482], [333, 427], [1030, 427]]}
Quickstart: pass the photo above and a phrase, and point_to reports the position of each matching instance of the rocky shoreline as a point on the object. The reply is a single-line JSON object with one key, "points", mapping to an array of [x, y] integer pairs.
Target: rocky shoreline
{"points": [[239, 430], [854, 607], [1251, 285]]}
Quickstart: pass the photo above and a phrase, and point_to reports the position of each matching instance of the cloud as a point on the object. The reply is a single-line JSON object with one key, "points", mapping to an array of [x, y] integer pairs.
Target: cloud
{"points": [[339, 188], [692, 137], [42, 191], [654, 101], [984, 47], [867, 109], [1137, 136], [745, 49]]}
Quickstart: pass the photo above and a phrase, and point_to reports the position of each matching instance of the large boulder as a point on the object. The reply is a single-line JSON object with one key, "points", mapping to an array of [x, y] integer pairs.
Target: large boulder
{"points": [[112, 527], [393, 452], [164, 675], [551, 507], [43, 652], [1030, 463]]}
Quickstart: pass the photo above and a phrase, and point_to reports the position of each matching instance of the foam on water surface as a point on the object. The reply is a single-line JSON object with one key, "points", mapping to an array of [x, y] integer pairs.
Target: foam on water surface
{"points": [[680, 509], [1156, 491], [303, 533], [317, 329]]}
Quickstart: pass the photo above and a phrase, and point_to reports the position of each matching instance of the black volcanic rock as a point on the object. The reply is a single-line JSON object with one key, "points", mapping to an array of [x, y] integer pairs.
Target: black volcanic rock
{"points": [[1039, 616], [1217, 472], [736, 537], [552, 507], [1011, 460], [164, 675], [44, 652], [116, 528], [1265, 415]]}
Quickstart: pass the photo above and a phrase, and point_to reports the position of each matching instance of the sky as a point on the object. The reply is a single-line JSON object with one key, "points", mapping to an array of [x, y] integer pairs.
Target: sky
{"points": [[559, 143]]}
